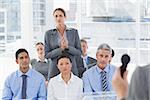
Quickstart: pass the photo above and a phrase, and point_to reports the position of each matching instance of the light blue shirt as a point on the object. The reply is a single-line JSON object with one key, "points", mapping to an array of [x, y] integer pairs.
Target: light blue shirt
{"points": [[36, 88], [92, 78]]}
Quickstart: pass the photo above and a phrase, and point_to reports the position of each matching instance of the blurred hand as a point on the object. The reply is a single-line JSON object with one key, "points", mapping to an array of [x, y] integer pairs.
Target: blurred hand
{"points": [[46, 82], [63, 43], [120, 85]]}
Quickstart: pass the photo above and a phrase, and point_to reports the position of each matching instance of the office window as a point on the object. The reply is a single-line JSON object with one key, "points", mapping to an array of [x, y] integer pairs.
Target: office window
{"points": [[42, 6], [38, 0], [61, 4], [42, 22], [2, 38], [18, 37], [36, 29], [2, 29], [10, 39], [2, 18], [38, 6], [39, 14]]}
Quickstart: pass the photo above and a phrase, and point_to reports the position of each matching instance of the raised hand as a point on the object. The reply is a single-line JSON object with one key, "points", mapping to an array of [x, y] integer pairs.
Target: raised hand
{"points": [[64, 43]]}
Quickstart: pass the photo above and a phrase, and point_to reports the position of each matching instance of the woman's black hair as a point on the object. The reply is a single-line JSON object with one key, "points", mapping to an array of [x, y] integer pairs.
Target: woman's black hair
{"points": [[64, 55]]}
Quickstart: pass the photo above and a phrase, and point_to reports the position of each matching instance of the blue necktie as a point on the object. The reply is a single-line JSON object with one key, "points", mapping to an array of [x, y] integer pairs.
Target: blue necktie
{"points": [[24, 86], [104, 81]]}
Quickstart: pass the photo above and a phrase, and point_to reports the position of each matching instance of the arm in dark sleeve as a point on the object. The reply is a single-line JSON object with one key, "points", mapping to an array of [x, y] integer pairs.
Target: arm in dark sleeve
{"points": [[76, 50], [32, 62], [49, 52], [80, 65], [49, 68]]}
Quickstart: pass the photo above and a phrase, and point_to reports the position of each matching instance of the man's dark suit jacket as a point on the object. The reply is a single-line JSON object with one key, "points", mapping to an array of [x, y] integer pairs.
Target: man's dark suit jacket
{"points": [[139, 88], [80, 64]]}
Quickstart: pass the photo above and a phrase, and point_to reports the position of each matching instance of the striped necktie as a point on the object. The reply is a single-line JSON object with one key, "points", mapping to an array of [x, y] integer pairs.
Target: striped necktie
{"points": [[24, 86], [104, 81]]}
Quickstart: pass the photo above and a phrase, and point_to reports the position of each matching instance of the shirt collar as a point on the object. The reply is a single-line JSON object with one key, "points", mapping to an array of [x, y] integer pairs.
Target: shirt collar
{"points": [[100, 70], [28, 73], [84, 57], [67, 29], [61, 80], [45, 60]]}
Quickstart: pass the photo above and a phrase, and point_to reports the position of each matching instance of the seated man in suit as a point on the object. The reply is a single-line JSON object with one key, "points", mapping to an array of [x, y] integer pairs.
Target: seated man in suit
{"points": [[84, 61], [87, 60], [98, 78]]}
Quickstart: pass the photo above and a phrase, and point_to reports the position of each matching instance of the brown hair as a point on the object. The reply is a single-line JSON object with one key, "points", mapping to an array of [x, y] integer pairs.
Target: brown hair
{"points": [[83, 40], [60, 9], [39, 43]]}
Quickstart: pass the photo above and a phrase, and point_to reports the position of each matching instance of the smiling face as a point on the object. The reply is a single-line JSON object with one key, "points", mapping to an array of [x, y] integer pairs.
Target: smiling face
{"points": [[40, 50], [59, 17], [64, 65], [23, 61]]}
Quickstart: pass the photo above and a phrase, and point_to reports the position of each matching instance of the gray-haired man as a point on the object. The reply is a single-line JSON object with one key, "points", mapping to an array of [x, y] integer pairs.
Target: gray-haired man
{"points": [[99, 77]]}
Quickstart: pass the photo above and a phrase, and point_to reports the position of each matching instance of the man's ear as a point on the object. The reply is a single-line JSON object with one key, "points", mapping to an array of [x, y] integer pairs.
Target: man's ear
{"points": [[57, 66], [65, 17], [96, 55], [16, 61], [87, 46], [71, 64]]}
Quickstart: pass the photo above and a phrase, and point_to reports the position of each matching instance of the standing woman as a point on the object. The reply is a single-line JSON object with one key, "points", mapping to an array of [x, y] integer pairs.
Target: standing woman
{"points": [[41, 64], [61, 39]]}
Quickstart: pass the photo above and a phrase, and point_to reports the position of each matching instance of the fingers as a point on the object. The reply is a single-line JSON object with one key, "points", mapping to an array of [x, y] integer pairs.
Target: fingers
{"points": [[125, 75], [117, 73], [116, 76], [63, 45]]}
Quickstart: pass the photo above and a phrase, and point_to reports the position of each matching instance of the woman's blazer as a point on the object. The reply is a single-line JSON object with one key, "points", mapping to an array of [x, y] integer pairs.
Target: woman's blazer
{"points": [[53, 50]]}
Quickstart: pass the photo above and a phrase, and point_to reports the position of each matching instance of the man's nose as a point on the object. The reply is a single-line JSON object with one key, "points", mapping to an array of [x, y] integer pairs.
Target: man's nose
{"points": [[103, 58]]}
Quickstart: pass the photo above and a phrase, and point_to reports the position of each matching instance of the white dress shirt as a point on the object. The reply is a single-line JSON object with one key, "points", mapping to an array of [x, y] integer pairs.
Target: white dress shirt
{"points": [[85, 61], [45, 60], [59, 90]]}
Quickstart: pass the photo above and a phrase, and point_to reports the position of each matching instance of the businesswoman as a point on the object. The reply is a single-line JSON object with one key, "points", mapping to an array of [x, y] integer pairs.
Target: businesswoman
{"points": [[61, 39], [41, 64]]}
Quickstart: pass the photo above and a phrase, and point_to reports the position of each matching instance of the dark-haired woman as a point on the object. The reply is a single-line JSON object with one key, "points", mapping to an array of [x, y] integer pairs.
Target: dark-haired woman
{"points": [[61, 39], [41, 64]]}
